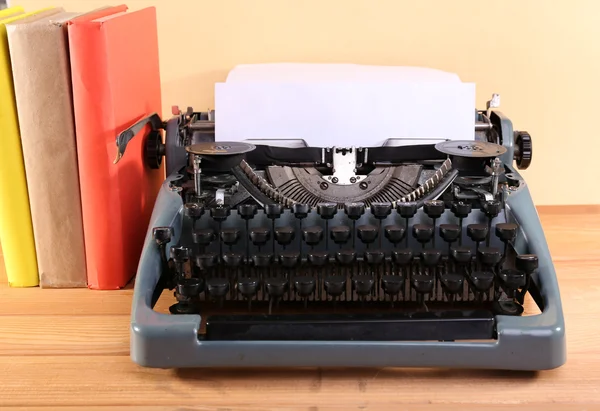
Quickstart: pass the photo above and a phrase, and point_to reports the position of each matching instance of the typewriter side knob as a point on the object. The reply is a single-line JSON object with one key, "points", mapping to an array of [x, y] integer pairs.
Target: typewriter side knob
{"points": [[154, 149], [523, 149]]}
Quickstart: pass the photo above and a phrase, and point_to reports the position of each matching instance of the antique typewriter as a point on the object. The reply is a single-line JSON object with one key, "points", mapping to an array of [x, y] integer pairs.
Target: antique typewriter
{"points": [[273, 253]]}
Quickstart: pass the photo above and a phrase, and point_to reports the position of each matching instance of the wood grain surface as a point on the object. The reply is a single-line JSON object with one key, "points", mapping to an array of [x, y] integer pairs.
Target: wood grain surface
{"points": [[69, 349]]}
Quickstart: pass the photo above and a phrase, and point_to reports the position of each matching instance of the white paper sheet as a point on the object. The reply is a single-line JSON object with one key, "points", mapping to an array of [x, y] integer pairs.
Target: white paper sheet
{"points": [[364, 109]]}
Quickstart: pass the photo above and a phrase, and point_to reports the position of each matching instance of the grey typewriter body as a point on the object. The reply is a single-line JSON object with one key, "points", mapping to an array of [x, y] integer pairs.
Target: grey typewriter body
{"points": [[422, 257]]}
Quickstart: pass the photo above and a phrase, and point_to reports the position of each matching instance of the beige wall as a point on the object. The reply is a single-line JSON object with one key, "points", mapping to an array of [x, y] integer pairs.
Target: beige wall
{"points": [[542, 56]]}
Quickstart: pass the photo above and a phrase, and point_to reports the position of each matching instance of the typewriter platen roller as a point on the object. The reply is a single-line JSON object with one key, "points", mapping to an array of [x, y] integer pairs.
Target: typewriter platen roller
{"points": [[279, 254]]}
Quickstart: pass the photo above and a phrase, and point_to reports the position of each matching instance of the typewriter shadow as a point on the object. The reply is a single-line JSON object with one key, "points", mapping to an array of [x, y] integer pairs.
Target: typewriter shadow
{"points": [[363, 376]]}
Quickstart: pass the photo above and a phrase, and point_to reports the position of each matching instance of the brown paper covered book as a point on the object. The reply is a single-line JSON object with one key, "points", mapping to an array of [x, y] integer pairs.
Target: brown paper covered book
{"points": [[42, 81]]}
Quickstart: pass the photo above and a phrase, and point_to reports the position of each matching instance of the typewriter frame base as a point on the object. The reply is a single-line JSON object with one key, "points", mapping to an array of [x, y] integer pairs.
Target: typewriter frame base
{"points": [[534, 342]]}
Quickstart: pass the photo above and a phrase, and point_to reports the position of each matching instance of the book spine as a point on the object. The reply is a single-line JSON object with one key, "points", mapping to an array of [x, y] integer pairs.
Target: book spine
{"points": [[91, 103], [42, 83]]}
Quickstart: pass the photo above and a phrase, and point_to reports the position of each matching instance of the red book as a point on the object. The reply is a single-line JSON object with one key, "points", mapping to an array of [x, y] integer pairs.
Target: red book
{"points": [[116, 81]]}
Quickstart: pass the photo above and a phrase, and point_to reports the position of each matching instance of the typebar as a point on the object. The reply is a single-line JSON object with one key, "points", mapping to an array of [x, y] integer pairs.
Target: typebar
{"points": [[420, 326]]}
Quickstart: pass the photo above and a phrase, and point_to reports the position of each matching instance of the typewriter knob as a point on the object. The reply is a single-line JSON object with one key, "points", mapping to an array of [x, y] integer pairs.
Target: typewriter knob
{"points": [[162, 235], [327, 210], [247, 211], [273, 211], [381, 210], [354, 210], [523, 149], [407, 210], [154, 149], [300, 210]]}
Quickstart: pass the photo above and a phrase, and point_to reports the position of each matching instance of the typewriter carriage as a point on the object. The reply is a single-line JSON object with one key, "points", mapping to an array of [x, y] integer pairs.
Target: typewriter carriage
{"points": [[531, 342]]}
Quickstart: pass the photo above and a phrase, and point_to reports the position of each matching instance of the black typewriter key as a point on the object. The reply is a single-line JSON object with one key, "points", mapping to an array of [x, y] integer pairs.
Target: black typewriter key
{"points": [[394, 233], [220, 213], [285, 235], [276, 288], [194, 211], [187, 294], [431, 257], [217, 289], [289, 259], [491, 210], [422, 284], [340, 234], [203, 237], [354, 211], [392, 285], [327, 211], [477, 233], [345, 257], [262, 260], [374, 257], [481, 281], [363, 285], [512, 280], [312, 236], [367, 233], [248, 287], [407, 211], [402, 257], [162, 236], [180, 256], [206, 261], [489, 256], [506, 232], [335, 286], [273, 212], [423, 233], [449, 233], [233, 259], [461, 254], [380, 211], [230, 236], [452, 283], [527, 263], [318, 258], [434, 210], [259, 236], [247, 212], [305, 286], [461, 210]]}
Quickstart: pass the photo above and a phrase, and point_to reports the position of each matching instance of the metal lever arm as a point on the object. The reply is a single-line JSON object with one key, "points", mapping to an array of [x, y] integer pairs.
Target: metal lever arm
{"points": [[127, 135]]}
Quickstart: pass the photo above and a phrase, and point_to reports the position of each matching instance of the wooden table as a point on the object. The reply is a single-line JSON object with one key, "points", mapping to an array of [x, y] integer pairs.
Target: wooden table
{"points": [[70, 348]]}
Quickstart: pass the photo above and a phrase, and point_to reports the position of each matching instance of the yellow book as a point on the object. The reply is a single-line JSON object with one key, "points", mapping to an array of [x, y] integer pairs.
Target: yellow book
{"points": [[16, 231]]}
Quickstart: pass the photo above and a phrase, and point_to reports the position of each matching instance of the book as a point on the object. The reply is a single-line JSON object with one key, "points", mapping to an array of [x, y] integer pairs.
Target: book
{"points": [[16, 231], [116, 81], [42, 82]]}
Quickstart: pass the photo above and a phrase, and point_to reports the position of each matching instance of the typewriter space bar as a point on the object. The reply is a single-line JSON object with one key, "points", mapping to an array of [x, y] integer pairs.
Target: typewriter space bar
{"points": [[426, 326]]}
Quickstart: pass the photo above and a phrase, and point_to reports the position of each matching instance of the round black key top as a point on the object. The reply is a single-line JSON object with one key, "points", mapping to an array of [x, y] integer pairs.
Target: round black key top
{"points": [[477, 232], [220, 213], [363, 284], [260, 235], [461, 209], [403, 256], [449, 232], [489, 255], [527, 263], [407, 210], [381, 210], [491, 208], [513, 279], [276, 287], [206, 260], [312, 235], [247, 211], [434, 208], [452, 283], [194, 210], [422, 283], [180, 254], [461, 254], [273, 211], [289, 259], [162, 235], [374, 256], [203, 236], [423, 232], [506, 231], [340, 234], [262, 259], [217, 287], [482, 280], [367, 233], [248, 286], [304, 285], [190, 287], [233, 259], [300, 210], [431, 257], [335, 285], [392, 284], [394, 233], [230, 236], [284, 235], [318, 258], [345, 256], [327, 210], [354, 210]]}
